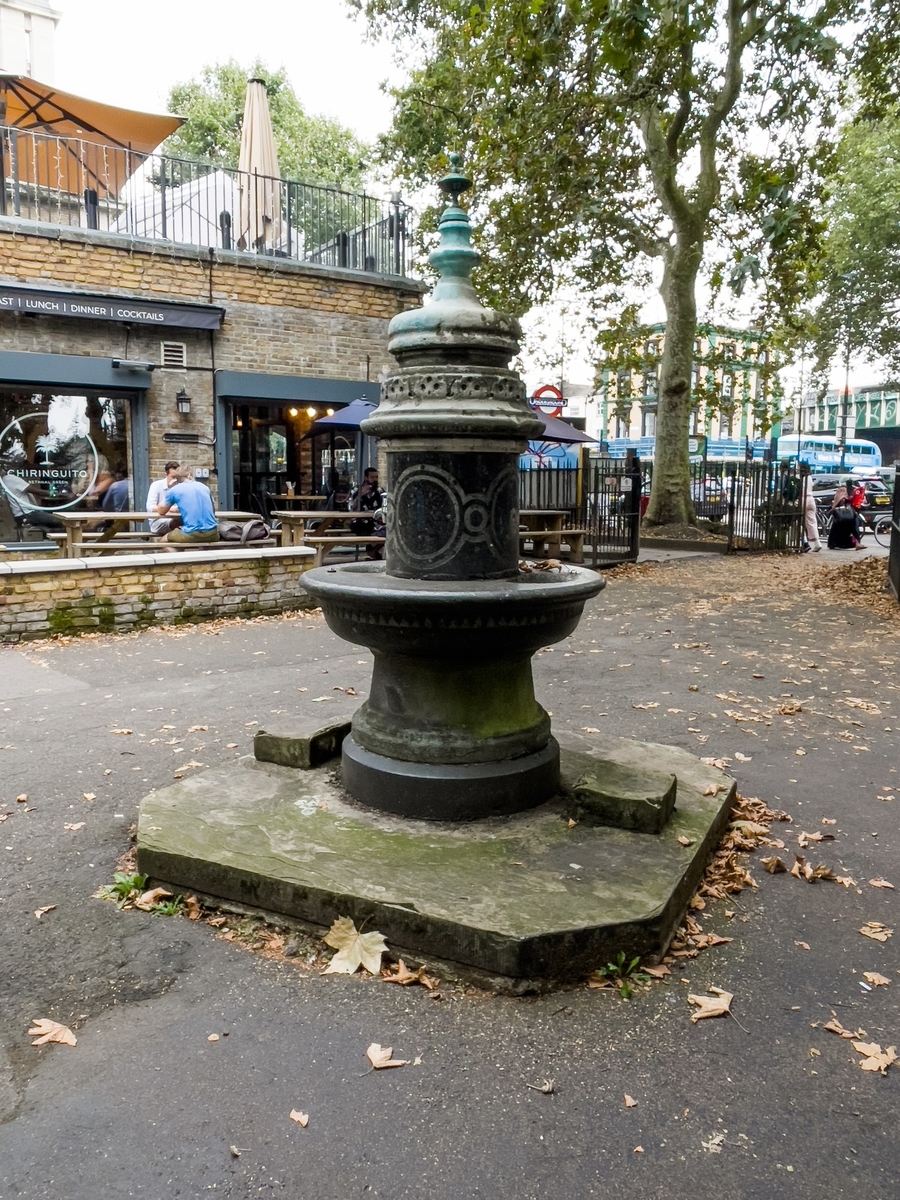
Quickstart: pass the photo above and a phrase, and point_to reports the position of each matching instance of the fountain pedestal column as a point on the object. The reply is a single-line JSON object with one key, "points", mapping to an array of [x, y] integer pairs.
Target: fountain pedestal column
{"points": [[451, 728]]}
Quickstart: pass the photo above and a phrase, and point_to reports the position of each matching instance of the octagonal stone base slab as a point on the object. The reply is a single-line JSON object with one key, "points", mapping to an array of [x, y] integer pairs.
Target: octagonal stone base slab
{"points": [[519, 898]]}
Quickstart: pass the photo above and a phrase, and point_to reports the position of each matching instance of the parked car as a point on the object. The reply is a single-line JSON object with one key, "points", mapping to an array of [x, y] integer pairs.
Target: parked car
{"points": [[709, 499]]}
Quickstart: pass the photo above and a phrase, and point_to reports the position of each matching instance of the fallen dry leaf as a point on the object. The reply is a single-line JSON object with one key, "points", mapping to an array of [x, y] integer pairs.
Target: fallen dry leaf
{"points": [[197, 728], [44, 1031], [74, 826], [773, 864], [301, 1118], [875, 979], [876, 931], [654, 704], [659, 972], [718, 1005], [22, 799], [213, 1037], [685, 841], [89, 796], [192, 907], [743, 757], [123, 732], [630, 1101], [147, 900], [834, 1026], [405, 977], [381, 1057], [354, 949], [638, 1150], [845, 881], [39, 912], [589, 729], [880, 883], [802, 945], [875, 1058]]}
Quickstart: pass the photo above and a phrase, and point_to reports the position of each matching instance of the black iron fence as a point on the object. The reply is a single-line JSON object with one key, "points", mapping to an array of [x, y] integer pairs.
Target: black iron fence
{"points": [[894, 553], [72, 181]]}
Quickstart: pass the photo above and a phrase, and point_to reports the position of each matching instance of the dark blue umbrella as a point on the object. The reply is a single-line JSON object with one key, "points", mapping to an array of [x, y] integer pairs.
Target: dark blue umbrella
{"points": [[350, 417], [556, 430]]}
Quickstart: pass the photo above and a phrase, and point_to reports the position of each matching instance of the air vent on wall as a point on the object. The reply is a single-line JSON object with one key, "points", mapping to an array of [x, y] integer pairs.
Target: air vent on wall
{"points": [[173, 356]]}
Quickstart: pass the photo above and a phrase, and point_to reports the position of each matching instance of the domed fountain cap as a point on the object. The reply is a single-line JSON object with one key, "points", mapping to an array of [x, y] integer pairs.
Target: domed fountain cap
{"points": [[455, 320]]}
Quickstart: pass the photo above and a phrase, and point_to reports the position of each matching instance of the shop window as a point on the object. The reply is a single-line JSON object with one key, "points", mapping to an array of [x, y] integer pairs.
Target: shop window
{"points": [[58, 450]]}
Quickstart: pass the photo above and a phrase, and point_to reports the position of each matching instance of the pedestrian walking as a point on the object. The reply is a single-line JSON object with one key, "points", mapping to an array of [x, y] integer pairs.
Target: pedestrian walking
{"points": [[810, 518]]}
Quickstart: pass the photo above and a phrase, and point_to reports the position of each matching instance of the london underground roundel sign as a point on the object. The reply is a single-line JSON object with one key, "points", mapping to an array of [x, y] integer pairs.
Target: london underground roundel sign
{"points": [[549, 400]]}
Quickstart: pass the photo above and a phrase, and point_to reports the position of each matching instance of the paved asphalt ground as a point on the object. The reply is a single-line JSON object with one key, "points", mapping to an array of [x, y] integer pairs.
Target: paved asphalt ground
{"points": [[145, 1106]]}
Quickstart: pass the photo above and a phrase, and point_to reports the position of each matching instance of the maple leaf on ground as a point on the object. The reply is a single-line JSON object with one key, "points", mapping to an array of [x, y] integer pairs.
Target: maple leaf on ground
{"points": [[774, 865], [354, 949], [192, 908], [148, 900], [44, 1031], [39, 912], [717, 1005], [301, 1118], [876, 931], [875, 979], [880, 883], [845, 881], [875, 1058], [382, 1056]]}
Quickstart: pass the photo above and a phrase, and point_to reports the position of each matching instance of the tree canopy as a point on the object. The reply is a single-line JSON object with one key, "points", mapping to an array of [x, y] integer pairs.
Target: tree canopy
{"points": [[615, 142], [857, 309], [310, 149]]}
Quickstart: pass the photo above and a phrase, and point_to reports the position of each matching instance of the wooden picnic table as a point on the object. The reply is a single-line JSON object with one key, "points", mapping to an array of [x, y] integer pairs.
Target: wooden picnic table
{"points": [[294, 523], [296, 498], [117, 522], [544, 521]]}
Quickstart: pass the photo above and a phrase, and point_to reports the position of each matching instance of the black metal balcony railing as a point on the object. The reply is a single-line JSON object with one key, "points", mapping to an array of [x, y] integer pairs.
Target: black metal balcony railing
{"points": [[69, 181]]}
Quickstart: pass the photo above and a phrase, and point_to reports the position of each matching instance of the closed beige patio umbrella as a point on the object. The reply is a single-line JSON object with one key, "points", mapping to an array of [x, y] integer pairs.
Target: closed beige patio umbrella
{"points": [[259, 180]]}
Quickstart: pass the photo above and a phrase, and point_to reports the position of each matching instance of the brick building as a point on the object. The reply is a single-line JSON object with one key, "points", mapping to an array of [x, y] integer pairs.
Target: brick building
{"points": [[120, 351]]}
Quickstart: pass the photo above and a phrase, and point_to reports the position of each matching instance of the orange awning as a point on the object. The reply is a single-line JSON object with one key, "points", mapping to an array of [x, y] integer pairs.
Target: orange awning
{"points": [[79, 143]]}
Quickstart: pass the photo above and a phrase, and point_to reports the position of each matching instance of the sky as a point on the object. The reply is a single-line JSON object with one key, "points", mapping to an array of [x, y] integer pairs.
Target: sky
{"points": [[131, 55]]}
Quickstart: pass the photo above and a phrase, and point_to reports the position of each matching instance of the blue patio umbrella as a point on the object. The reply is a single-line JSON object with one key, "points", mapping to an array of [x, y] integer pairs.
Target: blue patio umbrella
{"points": [[350, 417], [556, 430]]}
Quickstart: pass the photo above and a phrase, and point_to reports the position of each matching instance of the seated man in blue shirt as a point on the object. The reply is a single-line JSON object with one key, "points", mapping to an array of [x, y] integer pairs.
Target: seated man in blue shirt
{"points": [[195, 504]]}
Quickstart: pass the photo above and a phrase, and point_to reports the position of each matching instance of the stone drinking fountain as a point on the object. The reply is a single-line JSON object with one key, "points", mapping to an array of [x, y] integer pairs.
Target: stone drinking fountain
{"points": [[451, 729], [456, 826]]}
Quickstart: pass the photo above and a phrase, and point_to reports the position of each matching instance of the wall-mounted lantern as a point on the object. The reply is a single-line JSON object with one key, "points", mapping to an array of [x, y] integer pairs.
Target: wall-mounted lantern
{"points": [[183, 403]]}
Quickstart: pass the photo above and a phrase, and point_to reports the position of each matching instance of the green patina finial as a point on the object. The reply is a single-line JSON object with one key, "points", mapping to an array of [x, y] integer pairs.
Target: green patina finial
{"points": [[455, 257], [454, 183]]}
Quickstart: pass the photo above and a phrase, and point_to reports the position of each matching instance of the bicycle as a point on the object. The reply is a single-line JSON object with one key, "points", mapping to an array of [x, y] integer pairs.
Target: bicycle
{"points": [[878, 524]]}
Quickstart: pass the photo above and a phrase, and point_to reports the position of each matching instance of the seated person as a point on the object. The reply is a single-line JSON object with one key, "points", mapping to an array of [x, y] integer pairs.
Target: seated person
{"points": [[156, 495], [116, 497], [195, 504], [368, 497], [23, 497]]}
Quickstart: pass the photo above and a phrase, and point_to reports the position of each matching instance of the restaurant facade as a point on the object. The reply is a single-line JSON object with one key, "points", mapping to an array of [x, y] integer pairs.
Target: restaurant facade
{"points": [[118, 354]]}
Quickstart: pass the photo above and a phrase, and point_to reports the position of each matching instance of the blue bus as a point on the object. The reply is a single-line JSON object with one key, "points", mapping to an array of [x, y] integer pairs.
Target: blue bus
{"points": [[824, 454]]}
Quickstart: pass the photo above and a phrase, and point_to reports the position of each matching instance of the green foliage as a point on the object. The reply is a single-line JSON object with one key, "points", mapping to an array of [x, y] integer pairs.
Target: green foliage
{"points": [[310, 149], [123, 888], [608, 136], [623, 972], [857, 311]]}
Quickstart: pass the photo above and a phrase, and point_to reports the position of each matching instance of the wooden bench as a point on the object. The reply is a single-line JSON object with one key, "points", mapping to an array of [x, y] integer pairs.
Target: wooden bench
{"points": [[162, 547], [542, 539], [324, 544]]}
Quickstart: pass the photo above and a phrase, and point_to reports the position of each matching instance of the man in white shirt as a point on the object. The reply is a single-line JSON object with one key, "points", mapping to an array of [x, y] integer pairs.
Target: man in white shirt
{"points": [[156, 496]]}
